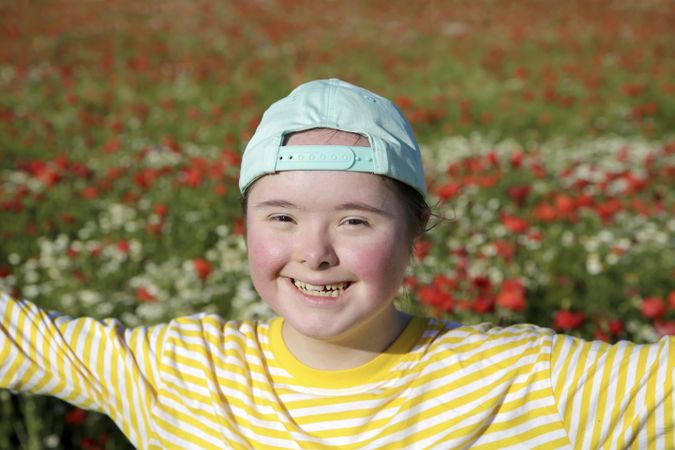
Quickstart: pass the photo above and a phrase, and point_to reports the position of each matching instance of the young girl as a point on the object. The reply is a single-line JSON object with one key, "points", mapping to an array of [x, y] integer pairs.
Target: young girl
{"points": [[334, 191]]}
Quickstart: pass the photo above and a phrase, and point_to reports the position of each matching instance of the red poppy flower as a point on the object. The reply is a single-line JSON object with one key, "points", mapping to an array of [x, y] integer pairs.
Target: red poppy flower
{"points": [[89, 192], [411, 281], [515, 224], [516, 159], [202, 267], [512, 300], [483, 304], [421, 249], [114, 173], [615, 326], [600, 335], [445, 283], [448, 190], [568, 320], [545, 212], [112, 145], [80, 170], [482, 283], [505, 249], [664, 328], [518, 194], [220, 189], [48, 176], [155, 228], [403, 101], [608, 209], [145, 178], [239, 226], [67, 218], [492, 158], [5, 271], [123, 246], [584, 201], [512, 295], [435, 297], [96, 251], [144, 295], [230, 157], [564, 203], [653, 308], [192, 176], [161, 209], [76, 416], [487, 181]]}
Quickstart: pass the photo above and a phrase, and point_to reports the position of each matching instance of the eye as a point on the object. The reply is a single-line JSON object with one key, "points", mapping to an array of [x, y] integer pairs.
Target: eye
{"points": [[355, 221], [281, 218]]}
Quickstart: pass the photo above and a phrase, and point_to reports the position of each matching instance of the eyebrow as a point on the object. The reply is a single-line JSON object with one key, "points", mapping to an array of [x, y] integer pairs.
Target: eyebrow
{"points": [[275, 204], [358, 206]]}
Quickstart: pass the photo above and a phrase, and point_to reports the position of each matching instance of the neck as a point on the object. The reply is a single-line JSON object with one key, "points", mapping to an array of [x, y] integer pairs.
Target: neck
{"points": [[344, 352]]}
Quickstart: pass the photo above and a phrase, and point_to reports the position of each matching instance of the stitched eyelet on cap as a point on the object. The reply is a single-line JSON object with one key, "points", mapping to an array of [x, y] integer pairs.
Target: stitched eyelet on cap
{"points": [[369, 98], [320, 157]]}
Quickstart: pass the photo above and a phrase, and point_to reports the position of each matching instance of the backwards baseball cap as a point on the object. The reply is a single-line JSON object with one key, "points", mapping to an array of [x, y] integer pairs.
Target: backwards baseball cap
{"points": [[335, 104]]}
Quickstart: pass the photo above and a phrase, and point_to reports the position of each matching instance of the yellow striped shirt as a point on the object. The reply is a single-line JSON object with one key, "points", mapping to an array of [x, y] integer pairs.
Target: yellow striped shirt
{"points": [[203, 382]]}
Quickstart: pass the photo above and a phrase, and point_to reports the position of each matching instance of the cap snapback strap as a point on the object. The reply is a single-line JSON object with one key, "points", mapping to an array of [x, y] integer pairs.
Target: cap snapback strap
{"points": [[325, 157]]}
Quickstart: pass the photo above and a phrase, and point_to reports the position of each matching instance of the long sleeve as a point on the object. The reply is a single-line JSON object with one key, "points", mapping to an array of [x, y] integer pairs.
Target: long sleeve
{"points": [[91, 364], [615, 396]]}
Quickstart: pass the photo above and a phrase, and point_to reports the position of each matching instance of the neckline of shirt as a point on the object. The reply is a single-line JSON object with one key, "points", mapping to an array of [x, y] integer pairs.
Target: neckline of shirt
{"points": [[377, 370]]}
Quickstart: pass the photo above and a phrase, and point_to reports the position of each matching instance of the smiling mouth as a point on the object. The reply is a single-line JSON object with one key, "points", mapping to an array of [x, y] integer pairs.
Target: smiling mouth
{"points": [[321, 290]]}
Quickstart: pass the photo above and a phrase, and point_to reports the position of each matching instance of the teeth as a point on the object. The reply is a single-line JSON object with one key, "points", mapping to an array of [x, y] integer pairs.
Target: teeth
{"points": [[324, 290]]}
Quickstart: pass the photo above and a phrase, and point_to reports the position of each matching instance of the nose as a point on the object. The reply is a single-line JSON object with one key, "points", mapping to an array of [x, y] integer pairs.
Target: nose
{"points": [[314, 248]]}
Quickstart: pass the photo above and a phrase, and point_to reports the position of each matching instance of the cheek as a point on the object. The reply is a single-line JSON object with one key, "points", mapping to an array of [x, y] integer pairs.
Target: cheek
{"points": [[380, 260], [266, 254]]}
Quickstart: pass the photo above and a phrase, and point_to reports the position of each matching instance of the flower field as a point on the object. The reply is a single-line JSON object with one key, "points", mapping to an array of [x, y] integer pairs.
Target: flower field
{"points": [[547, 131]]}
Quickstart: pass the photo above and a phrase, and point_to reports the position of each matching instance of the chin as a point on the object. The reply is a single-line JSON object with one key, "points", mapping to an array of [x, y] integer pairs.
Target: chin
{"points": [[320, 331], [316, 331]]}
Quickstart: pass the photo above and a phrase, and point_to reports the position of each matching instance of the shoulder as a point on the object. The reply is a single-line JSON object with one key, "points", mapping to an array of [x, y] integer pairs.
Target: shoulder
{"points": [[214, 328], [484, 332], [572, 350], [485, 338]]}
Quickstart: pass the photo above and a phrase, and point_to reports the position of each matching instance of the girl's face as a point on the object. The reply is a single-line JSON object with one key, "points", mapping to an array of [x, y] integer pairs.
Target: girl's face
{"points": [[328, 251]]}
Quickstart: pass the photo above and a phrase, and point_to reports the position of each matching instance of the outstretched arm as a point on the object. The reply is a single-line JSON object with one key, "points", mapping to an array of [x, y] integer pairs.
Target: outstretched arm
{"points": [[616, 396], [91, 364]]}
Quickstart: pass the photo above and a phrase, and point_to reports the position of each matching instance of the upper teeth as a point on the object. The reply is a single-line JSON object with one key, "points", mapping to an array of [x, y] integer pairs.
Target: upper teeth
{"points": [[320, 288]]}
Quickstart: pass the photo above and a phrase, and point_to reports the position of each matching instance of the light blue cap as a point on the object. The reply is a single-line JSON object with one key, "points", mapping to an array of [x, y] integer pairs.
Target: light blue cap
{"points": [[335, 104]]}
